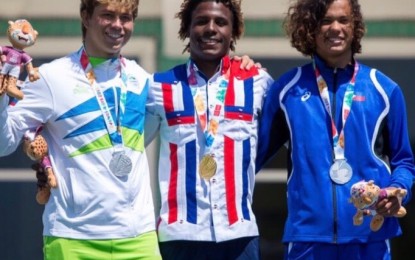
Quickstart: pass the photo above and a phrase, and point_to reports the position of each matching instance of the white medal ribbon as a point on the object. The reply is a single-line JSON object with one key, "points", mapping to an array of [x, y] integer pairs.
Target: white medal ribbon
{"points": [[208, 119], [340, 172], [120, 163]]}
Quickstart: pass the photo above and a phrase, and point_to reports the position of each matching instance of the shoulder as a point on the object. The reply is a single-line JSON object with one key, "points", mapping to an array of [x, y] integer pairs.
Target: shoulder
{"points": [[133, 67], [263, 74], [242, 74], [378, 78], [67, 62], [296, 74], [301, 77], [177, 73], [6, 48]]}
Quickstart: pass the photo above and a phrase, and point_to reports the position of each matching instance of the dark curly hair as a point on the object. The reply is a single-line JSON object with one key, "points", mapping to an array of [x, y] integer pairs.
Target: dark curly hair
{"points": [[89, 6], [185, 16], [304, 18]]}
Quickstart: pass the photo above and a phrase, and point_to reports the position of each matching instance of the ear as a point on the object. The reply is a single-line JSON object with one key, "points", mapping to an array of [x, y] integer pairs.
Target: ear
{"points": [[11, 23], [35, 33], [84, 19]]}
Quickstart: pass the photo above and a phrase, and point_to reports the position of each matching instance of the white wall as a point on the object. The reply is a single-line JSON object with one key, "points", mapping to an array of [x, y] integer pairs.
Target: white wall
{"points": [[63, 8], [259, 47], [373, 9]]}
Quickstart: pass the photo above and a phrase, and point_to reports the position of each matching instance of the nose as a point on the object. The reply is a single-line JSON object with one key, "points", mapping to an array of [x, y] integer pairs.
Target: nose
{"points": [[116, 22], [336, 25], [211, 26], [26, 29]]}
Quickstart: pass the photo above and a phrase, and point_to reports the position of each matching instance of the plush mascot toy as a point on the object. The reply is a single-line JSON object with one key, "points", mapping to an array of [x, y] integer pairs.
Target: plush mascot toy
{"points": [[365, 195], [21, 35], [35, 146]]}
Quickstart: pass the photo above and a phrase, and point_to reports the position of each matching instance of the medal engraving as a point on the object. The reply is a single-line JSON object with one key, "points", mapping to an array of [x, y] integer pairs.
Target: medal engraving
{"points": [[120, 164], [207, 167], [341, 172]]}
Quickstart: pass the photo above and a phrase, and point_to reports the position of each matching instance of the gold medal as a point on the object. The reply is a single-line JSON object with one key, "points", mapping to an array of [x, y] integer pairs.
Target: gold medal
{"points": [[207, 167]]}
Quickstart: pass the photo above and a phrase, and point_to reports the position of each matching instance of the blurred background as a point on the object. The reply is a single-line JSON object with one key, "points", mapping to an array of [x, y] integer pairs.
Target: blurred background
{"points": [[389, 45]]}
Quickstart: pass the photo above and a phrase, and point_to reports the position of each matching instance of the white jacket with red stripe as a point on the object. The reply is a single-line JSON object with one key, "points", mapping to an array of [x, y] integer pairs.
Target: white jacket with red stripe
{"points": [[193, 208]]}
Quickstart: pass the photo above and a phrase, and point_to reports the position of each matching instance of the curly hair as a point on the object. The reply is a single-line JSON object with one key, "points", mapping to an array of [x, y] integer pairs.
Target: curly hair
{"points": [[185, 16], [89, 7], [303, 21]]}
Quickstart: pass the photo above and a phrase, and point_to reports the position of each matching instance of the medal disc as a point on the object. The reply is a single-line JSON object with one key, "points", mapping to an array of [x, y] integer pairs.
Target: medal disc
{"points": [[341, 172], [120, 164], [207, 167]]}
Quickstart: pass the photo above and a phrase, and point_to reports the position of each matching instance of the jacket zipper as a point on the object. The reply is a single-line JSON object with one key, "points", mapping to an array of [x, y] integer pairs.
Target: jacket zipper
{"points": [[333, 185]]}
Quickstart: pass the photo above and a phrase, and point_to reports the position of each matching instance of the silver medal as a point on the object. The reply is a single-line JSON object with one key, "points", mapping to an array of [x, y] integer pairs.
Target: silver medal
{"points": [[120, 164], [341, 172]]}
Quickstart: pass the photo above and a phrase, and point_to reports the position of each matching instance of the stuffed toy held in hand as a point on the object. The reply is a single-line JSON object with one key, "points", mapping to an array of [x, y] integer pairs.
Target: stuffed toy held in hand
{"points": [[365, 195], [21, 35], [36, 147]]}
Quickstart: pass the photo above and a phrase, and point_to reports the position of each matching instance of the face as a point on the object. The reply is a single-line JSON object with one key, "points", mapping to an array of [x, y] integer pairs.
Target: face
{"points": [[210, 32], [108, 30], [334, 39], [21, 34]]}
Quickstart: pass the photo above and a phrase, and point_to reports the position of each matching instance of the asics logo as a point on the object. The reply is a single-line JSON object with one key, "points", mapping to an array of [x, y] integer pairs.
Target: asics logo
{"points": [[306, 96]]}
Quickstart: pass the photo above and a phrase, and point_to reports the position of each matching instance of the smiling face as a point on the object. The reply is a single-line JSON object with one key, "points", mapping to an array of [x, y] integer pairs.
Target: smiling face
{"points": [[335, 35], [108, 29], [210, 33]]}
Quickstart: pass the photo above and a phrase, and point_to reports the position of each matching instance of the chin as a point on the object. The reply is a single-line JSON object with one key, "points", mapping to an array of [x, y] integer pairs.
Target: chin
{"points": [[115, 50]]}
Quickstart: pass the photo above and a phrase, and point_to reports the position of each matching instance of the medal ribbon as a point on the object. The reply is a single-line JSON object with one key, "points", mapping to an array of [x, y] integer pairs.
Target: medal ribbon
{"points": [[209, 121], [338, 140], [114, 129]]}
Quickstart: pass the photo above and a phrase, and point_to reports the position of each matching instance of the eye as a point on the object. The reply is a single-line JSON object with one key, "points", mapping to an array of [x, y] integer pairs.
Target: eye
{"points": [[200, 21], [107, 16], [125, 18], [345, 20], [221, 22], [326, 21]]}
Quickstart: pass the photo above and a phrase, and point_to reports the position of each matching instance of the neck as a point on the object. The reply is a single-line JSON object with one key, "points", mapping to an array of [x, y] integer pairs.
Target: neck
{"points": [[17, 48], [341, 64], [208, 68], [93, 52], [336, 60]]}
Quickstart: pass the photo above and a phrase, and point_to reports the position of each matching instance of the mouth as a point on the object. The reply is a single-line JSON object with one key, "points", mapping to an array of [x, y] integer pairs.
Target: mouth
{"points": [[209, 41], [21, 38], [335, 40], [115, 36]]}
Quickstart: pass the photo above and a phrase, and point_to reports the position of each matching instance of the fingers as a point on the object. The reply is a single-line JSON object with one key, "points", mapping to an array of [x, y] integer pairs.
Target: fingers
{"points": [[246, 62], [258, 65], [388, 207]]}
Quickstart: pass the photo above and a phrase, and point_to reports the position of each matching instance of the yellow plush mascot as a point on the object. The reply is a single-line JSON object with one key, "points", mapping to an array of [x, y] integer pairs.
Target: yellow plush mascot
{"points": [[364, 196], [21, 35]]}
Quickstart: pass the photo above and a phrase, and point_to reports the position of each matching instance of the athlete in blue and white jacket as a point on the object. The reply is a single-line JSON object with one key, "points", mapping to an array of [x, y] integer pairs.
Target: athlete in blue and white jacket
{"points": [[376, 128], [335, 110]]}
